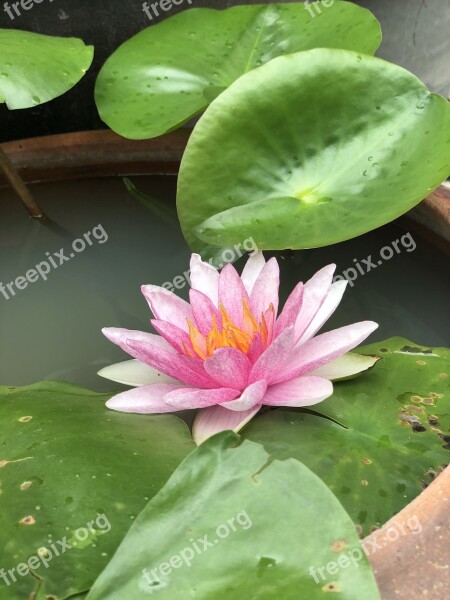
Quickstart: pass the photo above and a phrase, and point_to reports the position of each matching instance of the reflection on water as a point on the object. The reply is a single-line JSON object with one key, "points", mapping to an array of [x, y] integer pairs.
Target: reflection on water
{"points": [[51, 329]]}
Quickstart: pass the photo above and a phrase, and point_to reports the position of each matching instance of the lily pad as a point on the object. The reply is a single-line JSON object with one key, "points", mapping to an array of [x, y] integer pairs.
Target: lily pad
{"points": [[36, 68], [64, 460], [394, 438], [309, 150], [171, 71], [234, 523]]}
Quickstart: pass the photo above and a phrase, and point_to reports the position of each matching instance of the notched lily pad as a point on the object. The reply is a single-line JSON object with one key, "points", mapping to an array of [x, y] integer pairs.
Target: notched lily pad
{"points": [[171, 71], [211, 533], [394, 434], [309, 150]]}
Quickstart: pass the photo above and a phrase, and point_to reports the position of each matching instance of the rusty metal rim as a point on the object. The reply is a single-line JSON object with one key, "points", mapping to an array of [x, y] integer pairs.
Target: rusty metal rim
{"points": [[401, 566]]}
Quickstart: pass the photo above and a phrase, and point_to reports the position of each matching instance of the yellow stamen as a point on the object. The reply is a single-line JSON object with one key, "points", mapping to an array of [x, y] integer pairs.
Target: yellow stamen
{"points": [[197, 340], [229, 335]]}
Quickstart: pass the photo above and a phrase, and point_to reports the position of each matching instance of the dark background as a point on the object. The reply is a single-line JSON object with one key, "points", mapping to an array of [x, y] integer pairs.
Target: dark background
{"points": [[416, 36]]}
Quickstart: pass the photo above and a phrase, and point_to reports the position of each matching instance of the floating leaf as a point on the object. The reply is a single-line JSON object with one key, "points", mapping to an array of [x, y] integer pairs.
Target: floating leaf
{"points": [[309, 150], [232, 523], [65, 459], [170, 72], [36, 68], [395, 440]]}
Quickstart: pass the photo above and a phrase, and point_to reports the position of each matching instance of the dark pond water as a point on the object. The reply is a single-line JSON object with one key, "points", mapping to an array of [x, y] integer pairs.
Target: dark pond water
{"points": [[51, 328]]}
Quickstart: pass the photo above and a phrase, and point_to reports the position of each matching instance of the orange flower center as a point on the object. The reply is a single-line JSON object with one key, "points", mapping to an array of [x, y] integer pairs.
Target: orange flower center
{"points": [[229, 335]]}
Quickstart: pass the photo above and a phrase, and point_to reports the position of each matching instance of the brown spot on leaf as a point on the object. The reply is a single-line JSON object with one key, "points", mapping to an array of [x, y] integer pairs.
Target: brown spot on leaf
{"points": [[428, 401], [443, 375], [358, 529], [28, 520], [25, 485], [416, 410], [364, 482], [421, 363], [331, 587], [25, 419], [412, 420], [338, 546], [416, 399], [433, 420], [366, 461]]}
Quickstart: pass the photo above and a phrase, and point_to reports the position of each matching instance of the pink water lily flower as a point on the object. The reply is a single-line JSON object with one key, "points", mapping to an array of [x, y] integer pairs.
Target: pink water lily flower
{"points": [[228, 352]]}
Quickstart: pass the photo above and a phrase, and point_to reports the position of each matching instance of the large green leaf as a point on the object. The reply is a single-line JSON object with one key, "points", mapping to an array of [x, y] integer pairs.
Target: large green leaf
{"points": [[265, 523], [65, 459], [395, 439], [169, 72], [36, 68], [312, 149]]}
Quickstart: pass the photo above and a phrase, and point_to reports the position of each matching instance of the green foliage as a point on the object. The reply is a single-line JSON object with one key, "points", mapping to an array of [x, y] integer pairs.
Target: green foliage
{"points": [[309, 150], [64, 460], [171, 71], [36, 68], [394, 435], [237, 524]]}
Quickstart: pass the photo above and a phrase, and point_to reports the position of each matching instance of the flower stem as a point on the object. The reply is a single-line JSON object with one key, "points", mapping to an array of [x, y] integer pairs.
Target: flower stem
{"points": [[19, 186]]}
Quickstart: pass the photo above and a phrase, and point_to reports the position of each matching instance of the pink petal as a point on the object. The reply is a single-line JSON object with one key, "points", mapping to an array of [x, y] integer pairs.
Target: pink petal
{"points": [[266, 288], [346, 366], [301, 391], [186, 399], [249, 398], [205, 279], [328, 307], [290, 310], [272, 359], [182, 368], [134, 373], [322, 349], [229, 367], [314, 294], [215, 419], [175, 336], [204, 310], [256, 348], [232, 293], [166, 306], [252, 269], [121, 337], [147, 399]]}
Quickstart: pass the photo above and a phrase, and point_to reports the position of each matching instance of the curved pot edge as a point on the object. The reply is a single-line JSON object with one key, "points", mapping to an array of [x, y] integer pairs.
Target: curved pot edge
{"points": [[411, 552]]}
